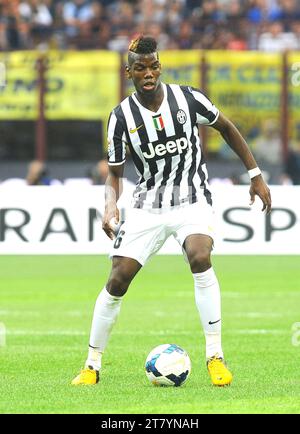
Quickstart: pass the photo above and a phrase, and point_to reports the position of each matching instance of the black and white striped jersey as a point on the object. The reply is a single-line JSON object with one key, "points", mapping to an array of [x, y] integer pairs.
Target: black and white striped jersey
{"points": [[164, 145]]}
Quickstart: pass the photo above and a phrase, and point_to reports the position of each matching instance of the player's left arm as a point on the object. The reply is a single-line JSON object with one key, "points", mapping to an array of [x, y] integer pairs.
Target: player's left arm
{"points": [[238, 144]]}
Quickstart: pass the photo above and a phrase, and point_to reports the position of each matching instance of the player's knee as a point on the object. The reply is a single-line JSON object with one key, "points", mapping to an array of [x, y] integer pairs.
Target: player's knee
{"points": [[118, 283], [117, 286], [200, 261]]}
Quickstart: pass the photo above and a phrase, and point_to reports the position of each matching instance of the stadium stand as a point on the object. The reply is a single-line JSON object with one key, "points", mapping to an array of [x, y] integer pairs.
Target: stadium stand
{"points": [[94, 24]]}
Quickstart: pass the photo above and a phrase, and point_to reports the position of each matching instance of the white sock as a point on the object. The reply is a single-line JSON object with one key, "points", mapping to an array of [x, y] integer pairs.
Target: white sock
{"points": [[94, 359], [107, 309], [208, 301]]}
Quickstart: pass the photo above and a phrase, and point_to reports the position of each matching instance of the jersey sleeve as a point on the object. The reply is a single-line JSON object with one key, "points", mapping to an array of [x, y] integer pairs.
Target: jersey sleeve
{"points": [[116, 141], [206, 112]]}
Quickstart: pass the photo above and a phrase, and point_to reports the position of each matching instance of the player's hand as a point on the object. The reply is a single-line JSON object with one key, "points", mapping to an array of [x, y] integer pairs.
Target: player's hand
{"points": [[259, 187], [110, 214]]}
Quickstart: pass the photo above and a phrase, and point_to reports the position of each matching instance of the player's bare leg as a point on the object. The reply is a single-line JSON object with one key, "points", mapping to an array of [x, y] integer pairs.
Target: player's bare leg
{"points": [[208, 300], [106, 312]]}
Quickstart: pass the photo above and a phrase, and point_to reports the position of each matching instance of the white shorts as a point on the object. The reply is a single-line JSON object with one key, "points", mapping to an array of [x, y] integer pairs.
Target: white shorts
{"points": [[144, 232]]}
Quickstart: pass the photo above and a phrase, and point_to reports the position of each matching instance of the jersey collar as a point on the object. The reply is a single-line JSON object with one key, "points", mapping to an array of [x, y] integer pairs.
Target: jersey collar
{"points": [[145, 108]]}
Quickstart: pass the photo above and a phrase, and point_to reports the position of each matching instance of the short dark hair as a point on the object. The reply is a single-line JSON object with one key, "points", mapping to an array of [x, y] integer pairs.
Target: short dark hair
{"points": [[143, 45]]}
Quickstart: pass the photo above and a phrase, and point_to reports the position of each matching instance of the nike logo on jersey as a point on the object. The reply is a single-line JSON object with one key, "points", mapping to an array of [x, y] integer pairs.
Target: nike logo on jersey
{"points": [[159, 150], [134, 130], [213, 322]]}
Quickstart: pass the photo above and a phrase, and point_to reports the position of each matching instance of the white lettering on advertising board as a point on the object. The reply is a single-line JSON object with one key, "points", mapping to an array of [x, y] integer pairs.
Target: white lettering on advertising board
{"points": [[62, 220]]}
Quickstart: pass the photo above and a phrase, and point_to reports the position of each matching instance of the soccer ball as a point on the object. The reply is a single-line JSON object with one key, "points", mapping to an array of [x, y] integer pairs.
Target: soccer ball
{"points": [[168, 365]]}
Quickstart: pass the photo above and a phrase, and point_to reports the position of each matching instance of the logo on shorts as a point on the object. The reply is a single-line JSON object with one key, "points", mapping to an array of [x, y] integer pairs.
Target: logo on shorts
{"points": [[181, 117]]}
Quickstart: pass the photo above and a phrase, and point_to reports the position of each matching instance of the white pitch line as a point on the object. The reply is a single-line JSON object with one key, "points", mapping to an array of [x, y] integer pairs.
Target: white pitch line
{"points": [[231, 294], [258, 315], [142, 333], [82, 333], [37, 314], [46, 333], [20, 313], [260, 332]]}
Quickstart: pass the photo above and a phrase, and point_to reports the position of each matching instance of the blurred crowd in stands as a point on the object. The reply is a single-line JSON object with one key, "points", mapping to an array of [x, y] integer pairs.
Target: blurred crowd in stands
{"points": [[267, 25], [38, 174]]}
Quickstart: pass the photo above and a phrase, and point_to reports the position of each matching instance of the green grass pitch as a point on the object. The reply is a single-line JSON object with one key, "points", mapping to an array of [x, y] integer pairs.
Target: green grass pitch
{"points": [[47, 304]]}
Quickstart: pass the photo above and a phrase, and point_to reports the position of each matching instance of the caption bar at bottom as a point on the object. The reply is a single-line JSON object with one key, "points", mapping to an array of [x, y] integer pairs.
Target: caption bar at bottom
{"points": [[150, 423]]}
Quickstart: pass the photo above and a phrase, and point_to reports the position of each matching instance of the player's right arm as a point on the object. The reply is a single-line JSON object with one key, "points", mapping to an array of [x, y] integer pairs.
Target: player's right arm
{"points": [[113, 190], [116, 159]]}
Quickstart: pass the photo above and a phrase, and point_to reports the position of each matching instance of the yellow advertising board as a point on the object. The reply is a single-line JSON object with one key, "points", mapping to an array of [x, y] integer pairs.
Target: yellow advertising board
{"points": [[294, 97], [18, 97], [79, 85], [181, 67], [246, 86]]}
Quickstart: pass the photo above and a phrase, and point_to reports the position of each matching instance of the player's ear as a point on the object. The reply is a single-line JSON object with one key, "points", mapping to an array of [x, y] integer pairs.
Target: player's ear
{"points": [[127, 72]]}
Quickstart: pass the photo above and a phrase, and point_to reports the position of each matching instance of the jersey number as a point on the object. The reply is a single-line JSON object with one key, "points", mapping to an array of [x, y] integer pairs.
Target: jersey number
{"points": [[119, 239]]}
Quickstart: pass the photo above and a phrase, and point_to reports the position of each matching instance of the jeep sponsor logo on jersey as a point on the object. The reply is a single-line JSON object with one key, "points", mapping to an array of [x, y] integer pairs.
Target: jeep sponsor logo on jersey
{"points": [[157, 150]]}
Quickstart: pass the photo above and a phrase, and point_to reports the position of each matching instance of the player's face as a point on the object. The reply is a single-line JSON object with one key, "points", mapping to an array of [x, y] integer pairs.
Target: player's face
{"points": [[145, 72]]}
